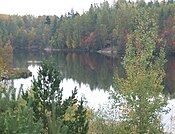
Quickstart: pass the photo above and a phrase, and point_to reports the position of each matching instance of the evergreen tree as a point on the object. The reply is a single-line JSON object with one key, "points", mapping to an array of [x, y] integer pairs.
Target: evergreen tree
{"points": [[48, 21], [14, 117], [47, 102], [80, 124]]}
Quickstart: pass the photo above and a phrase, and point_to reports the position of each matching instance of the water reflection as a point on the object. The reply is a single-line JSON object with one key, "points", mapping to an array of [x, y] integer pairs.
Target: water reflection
{"points": [[87, 68], [170, 75], [20, 58], [91, 73], [90, 69]]}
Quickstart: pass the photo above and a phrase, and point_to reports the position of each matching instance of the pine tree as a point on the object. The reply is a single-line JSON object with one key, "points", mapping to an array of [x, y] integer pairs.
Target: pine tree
{"points": [[80, 124], [47, 102]]}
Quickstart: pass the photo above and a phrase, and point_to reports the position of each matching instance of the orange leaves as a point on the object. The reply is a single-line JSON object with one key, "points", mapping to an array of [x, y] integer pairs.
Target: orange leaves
{"points": [[88, 40], [4, 16], [89, 61], [173, 43], [6, 58]]}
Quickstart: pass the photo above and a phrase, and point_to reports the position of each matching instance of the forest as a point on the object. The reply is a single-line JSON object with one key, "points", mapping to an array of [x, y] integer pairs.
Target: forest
{"points": [[101, 27], [143, 32]]}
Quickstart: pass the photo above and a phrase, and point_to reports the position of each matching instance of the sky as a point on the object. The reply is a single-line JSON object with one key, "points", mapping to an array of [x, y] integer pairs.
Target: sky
{"points": [[45, 7]]}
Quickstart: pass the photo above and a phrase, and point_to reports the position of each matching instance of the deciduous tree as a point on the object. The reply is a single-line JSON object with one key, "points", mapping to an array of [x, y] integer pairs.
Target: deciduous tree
{"points": [[139, 95]]}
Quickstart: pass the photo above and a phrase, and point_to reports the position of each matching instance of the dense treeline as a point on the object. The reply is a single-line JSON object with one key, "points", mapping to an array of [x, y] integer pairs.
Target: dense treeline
{"points": [[137, 96], [100, 27], [23, 31]]}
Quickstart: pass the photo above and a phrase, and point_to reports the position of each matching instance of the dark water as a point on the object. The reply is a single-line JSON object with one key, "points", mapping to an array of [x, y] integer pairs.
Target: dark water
{"points": [[87, 68], [91, 69], [91, 73], [170, 76]]}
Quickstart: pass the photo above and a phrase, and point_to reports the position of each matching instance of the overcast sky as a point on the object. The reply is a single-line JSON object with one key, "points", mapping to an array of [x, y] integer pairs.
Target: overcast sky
{"points": [[45, 7]]}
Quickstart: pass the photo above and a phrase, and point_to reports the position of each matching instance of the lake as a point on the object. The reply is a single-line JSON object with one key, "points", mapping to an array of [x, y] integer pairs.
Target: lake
{"points": [[91, 73], [93, 70]]}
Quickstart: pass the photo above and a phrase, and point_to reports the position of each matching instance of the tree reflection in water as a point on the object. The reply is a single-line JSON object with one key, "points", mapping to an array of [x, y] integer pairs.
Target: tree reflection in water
{"points": [[92, 69]]}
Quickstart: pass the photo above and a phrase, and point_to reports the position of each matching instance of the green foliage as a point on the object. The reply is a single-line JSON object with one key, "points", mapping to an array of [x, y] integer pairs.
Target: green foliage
{"points": [[42, 109], [45, 88], [102, 126], [80, 124], [139, 95], [21, 121], [13, 117], [73, 30], [48, 105], [104, 121]]}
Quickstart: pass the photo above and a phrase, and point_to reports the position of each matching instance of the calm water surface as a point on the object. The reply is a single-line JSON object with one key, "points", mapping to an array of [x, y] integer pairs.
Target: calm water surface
{"points": [[91, 73]]}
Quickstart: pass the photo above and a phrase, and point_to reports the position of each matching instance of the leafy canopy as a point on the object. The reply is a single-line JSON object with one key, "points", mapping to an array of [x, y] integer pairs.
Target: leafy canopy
{"points": [[138, 95]]}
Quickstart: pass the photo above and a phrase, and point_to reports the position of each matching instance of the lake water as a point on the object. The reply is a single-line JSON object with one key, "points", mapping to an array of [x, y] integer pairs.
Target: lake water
{"points": [[91, 73]]}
